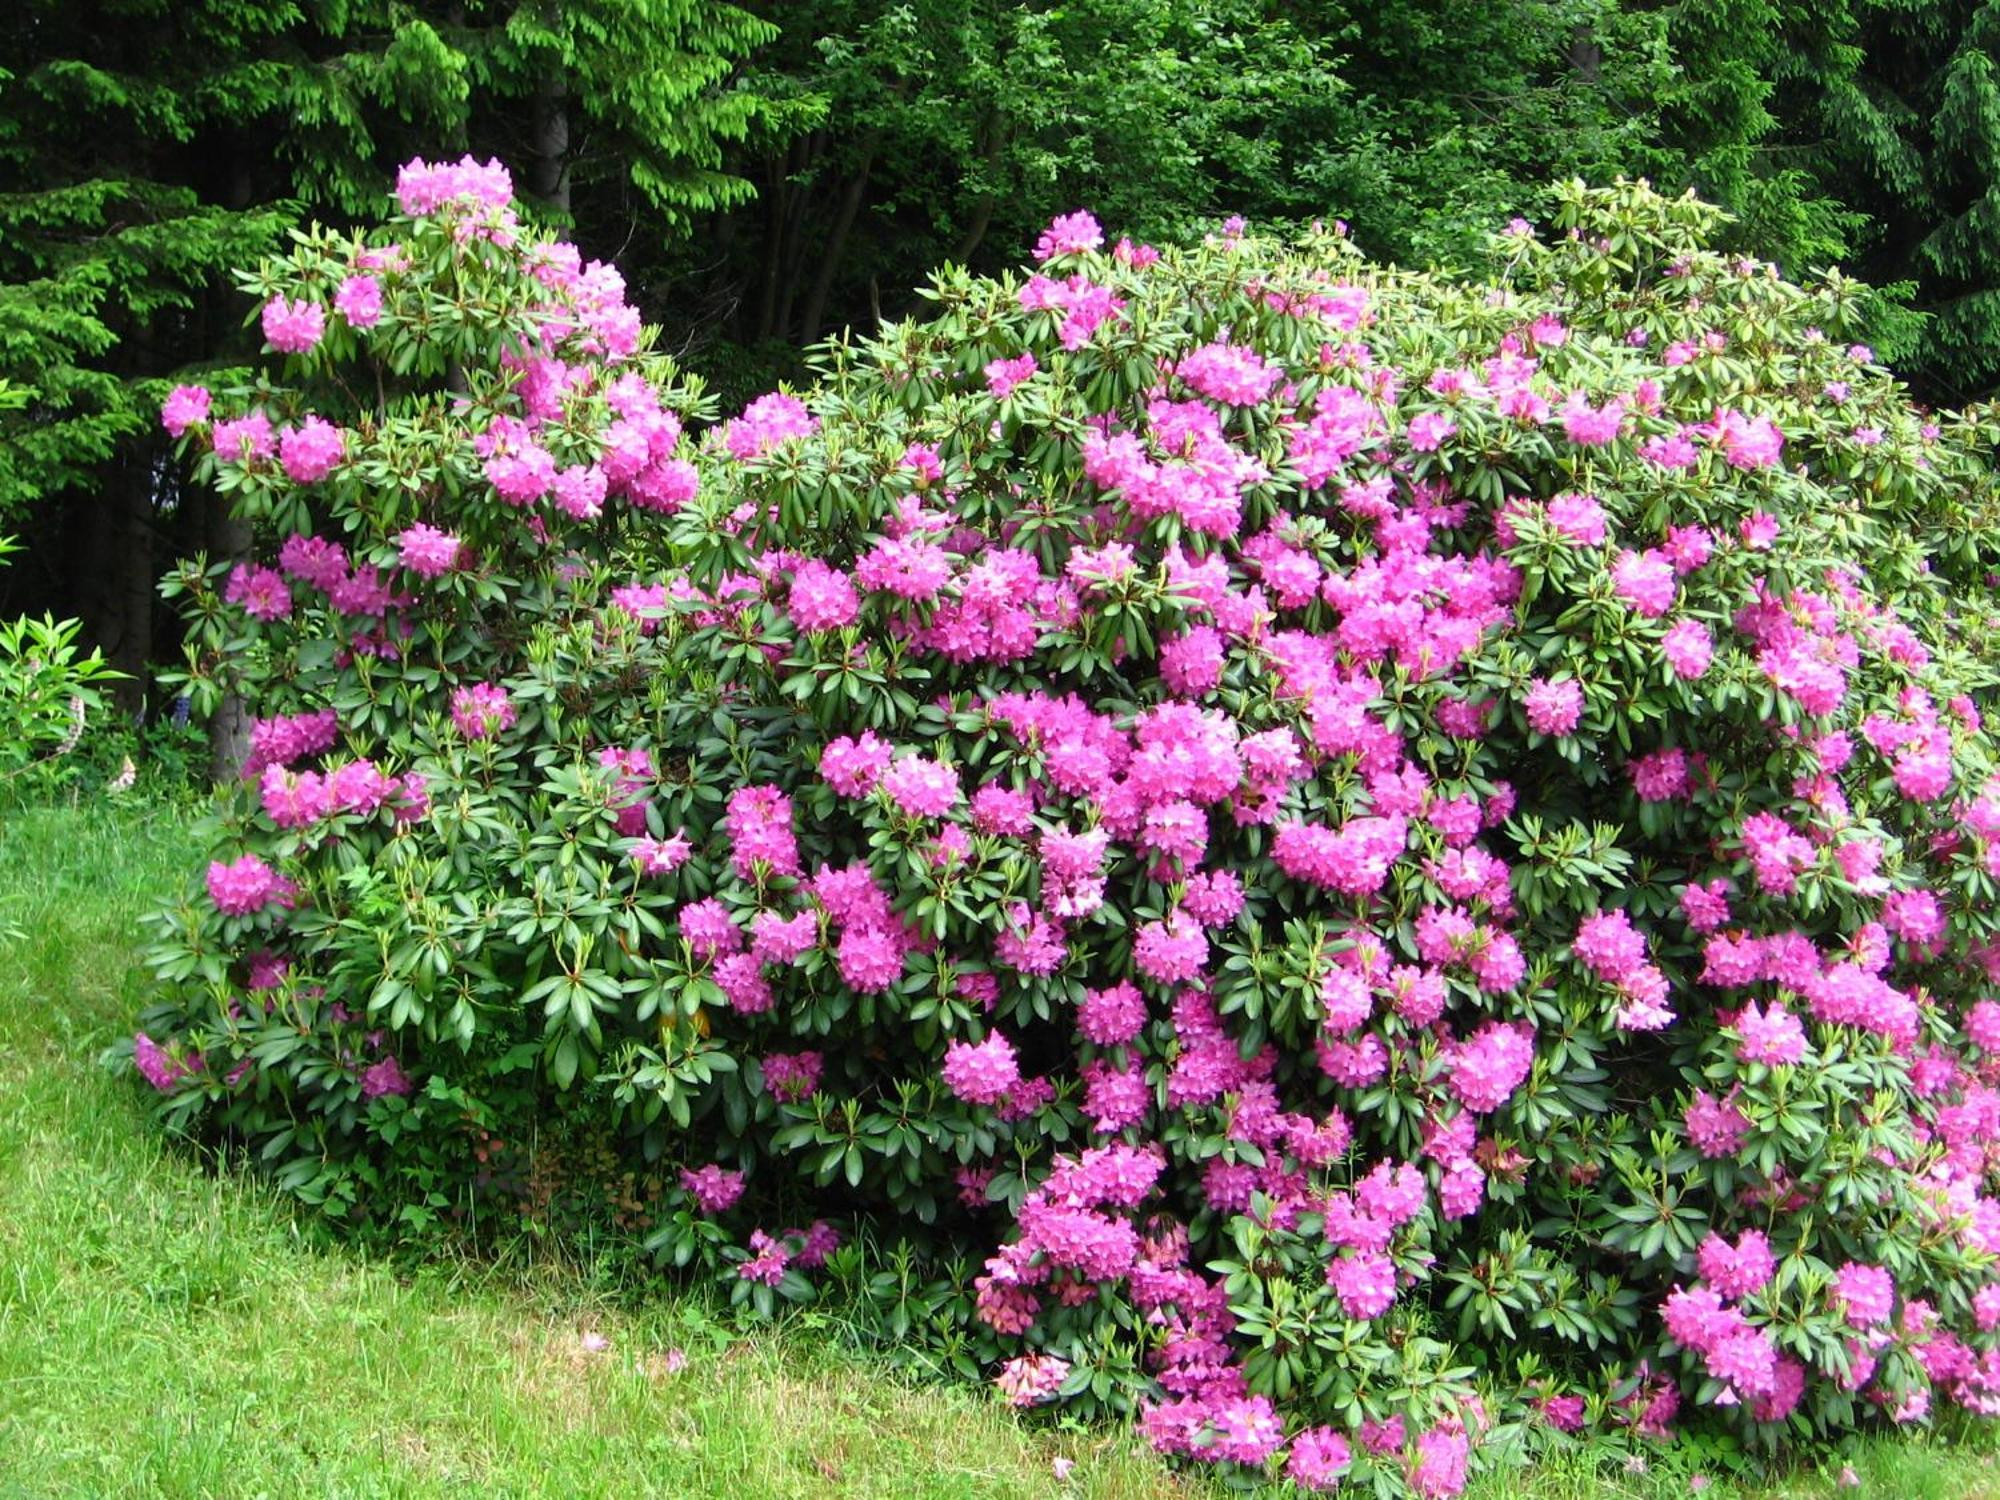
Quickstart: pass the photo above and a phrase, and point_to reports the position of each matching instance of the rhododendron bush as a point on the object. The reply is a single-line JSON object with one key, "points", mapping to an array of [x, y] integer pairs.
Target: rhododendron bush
{"points": [[1375, 870]]}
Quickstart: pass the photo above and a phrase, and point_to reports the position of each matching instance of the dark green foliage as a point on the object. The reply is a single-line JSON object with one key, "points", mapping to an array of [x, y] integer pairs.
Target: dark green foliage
{"points": [[945, 132], [1865, 132]]}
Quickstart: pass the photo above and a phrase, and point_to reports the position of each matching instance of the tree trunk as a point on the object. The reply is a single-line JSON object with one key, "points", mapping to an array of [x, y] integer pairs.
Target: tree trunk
{"points": [[982, 213], [798, 216], [122, 566], [774, 235], [836, 245], [228, 538], [975, 232], [548, 160], [229, 731], [1586, 54]]}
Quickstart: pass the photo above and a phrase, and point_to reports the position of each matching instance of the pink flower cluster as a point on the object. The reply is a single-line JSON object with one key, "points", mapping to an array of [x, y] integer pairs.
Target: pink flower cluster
{"points": [[767, 422], [246, 886], [1610, 947], [304, 798], [981, 1073], [482, 710], [759, 824], [423, 189], [293, 327]]}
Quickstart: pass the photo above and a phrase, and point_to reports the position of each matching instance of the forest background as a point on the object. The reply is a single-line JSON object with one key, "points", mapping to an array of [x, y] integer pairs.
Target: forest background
{"points": [[767, 174]]}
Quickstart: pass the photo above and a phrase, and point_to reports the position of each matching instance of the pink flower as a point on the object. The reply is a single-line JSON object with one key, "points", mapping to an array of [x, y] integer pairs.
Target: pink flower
{"points": [[783, 940], [1491, 1064], [359, 300], [1986, 1308], [313, 560], [1319, 1458], [924, 459], [1716, 1126], [792, 1076], [759, 824], [1070, 234], [1003, 375], [1578, 517], [983, 1073], [740, 977], [1746, 1360], [1749, 443], [1439, 1469], [1111, 1017], [1923, 770], [1114, 1099], [661, 856], [921, 788], [1461, 1190], [482, 710], [1776, 853], [293, 801], [1229, 373], [1706, 907], [1554, 708], [821, 598], [248, 885], [1609, 946], [815, 1243], [1660, 775], [1644, 580], [423, 189], [1247, 1431], [1428, 431], [1191, 663], [1031, 1379], [244, 439], [769, 1259], [1644, 992], [1688, 648], [1137, 256], [1737, 1270], [1365, 1282], [523, 475], [1213, 897], [293, 327], [870, 958], [1172, 951], [311, 451], [852, 767], [427, 551], [1867, 1294], [1688, 548], [185, 406], [263, 593], [709, 930], [714, 1189], [1588, 426], [158, 1066], [1982, 1026], [385, 1077], [1354, 860], [1564, 1413], [1773, 1037], [579, 490]]}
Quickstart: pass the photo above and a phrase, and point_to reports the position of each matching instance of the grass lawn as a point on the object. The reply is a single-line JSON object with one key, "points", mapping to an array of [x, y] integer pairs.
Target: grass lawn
{"points": [[166, 1332]]}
